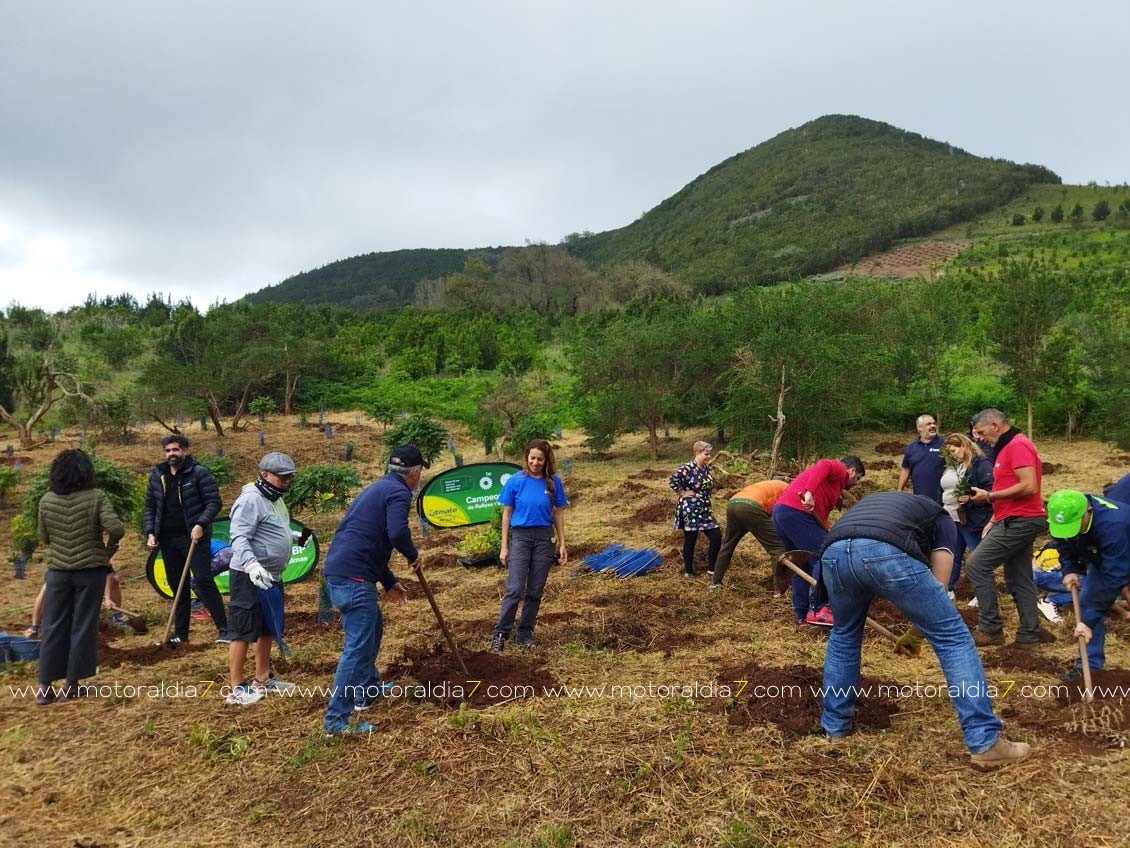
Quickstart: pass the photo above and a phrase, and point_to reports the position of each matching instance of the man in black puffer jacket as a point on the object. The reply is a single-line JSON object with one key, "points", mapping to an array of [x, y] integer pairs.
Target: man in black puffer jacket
{"points": [[181, 502], [900, 547]]}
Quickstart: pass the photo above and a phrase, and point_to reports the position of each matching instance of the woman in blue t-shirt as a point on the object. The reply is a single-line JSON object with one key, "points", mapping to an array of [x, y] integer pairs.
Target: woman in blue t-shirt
{"points": [[533, 505]]}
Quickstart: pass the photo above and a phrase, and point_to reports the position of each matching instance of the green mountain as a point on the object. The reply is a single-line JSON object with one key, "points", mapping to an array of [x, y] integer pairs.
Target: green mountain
{"points": [[385, 279], [830, 191]]}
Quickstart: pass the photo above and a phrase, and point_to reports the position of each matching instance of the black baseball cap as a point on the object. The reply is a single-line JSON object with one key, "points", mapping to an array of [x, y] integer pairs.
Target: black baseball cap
{"points": [[407, 456]]}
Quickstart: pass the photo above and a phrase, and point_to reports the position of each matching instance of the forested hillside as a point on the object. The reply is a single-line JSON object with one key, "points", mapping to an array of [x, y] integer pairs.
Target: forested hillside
{"points": [[371, 281], [827, 192]]}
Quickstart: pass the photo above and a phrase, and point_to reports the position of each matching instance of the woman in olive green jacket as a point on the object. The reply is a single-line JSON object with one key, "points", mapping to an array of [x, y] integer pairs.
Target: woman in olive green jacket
{"points": [[74, 518]]}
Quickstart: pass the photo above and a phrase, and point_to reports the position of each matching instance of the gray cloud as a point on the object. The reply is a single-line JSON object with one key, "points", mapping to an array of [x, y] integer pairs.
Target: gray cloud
{"points": [[211, 149]]}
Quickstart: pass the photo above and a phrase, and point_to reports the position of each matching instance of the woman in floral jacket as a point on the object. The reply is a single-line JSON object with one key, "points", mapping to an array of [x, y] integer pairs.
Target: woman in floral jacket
{"points": [[693, 483]]}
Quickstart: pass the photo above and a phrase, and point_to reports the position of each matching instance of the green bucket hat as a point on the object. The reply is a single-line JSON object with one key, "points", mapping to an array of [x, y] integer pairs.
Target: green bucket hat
{"points": [[1066, 509]]}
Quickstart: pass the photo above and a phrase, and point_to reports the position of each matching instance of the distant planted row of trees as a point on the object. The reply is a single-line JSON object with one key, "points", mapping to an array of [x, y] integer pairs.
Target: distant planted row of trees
{"points": [[1099, 212]]}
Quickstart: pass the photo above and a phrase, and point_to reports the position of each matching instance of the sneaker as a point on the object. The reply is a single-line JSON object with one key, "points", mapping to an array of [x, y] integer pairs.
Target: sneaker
{"points": [[801, 622], [497, 642], [222, 638], [689, 575], [272, 684], [243, 695], [778, 595], [362, 728], [972, 604], [201, 614], [1003, 753], [176, 640], [710, 576], [524, 644], [983, 640], [822, 617], [120, 619], [1072, 675], [1049, 610], [951, 595], [45, 695], [713, 586]]}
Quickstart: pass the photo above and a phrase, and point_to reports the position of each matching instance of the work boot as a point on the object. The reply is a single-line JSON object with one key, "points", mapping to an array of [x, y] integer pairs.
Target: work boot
{"points": [[1043, 637], [1003, 753], [983, 640]]}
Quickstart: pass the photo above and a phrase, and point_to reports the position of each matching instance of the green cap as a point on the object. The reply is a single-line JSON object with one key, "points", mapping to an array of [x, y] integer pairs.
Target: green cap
{"points": [[1065, 513]]}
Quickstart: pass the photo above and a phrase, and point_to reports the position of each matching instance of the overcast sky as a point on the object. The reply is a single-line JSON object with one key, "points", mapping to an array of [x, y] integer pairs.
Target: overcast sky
{"points": [[206, 149]]}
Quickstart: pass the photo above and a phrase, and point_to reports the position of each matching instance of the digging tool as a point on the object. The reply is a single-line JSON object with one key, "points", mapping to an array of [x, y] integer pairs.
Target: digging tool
{"points": [[789, 558], [180, 589], [442, 625], [133, 619], [1088, 696]]}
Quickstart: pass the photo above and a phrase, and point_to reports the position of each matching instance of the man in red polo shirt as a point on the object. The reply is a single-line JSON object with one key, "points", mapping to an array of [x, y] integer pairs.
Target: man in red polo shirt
{"points": [[1018, 517]]}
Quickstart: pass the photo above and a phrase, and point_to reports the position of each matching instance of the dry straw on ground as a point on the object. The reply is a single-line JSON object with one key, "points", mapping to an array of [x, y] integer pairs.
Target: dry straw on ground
{"points": [[579, 768]]}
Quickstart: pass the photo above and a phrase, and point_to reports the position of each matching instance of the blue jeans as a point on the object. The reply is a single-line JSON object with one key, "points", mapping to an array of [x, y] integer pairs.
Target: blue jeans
{"points": [[855, 571], [356, 674], [799, 530]]}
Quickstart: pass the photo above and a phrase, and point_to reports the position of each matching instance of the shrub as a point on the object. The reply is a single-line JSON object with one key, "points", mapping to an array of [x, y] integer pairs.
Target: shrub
{"points": [[9, 477], [322, 488], [262, 406], [222, 467], [537, 425], [1057, 214], [1038, 214], [124, 488], [1018, 220], [423, 431], [484, 540], [382, 410], [1101, 211]]}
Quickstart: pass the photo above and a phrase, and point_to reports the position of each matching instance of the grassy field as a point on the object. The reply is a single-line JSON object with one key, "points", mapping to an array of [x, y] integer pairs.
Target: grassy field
{"points": [[685, 762]]}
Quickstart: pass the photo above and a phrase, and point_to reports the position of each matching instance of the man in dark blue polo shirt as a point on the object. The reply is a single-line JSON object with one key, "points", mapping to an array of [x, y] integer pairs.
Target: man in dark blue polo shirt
{"points": [[375, 524], [922, 462]]}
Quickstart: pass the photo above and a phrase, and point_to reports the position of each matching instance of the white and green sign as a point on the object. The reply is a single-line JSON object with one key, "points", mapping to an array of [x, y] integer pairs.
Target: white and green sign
{"points": [[465, 495]]}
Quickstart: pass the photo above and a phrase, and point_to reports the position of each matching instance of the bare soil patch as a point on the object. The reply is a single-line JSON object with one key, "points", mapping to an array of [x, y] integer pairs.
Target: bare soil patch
{"points": [[784, 698], [922, 259], [503, 677], [1021, 659], [890, 448]]}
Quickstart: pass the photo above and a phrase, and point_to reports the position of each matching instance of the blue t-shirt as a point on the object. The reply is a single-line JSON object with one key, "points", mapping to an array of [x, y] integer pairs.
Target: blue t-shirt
{"points": [[926, 466], [530, 501]]}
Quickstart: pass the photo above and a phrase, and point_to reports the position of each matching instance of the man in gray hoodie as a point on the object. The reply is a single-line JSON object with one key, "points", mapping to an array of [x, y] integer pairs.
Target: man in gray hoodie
{"points": [[261, 541]]}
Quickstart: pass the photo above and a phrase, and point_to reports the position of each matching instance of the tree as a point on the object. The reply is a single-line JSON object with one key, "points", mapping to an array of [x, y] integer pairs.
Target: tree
{"points": [[1057, 214], [1038, 214], [1101, 211], [1026, 301], [632, 369], [1018, 220], [1076, 213], [38, 372]]}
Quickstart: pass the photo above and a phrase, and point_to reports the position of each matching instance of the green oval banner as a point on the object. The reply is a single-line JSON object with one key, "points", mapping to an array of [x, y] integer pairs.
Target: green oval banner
{"points": [[465, 495], [302, 560]]}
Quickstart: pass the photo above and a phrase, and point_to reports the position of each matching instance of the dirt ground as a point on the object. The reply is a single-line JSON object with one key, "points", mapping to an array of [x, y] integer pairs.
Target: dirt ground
{"points": [[920, 259], [651, 711]]}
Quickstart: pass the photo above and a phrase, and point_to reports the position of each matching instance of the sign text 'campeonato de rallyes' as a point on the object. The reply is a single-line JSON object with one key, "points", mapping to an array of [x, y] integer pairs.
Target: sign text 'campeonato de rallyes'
{"points": [[464, 495]]}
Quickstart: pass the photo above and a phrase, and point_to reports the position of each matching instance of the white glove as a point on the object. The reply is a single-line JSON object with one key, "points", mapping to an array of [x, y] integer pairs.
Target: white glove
{"points": [[259, 575]]}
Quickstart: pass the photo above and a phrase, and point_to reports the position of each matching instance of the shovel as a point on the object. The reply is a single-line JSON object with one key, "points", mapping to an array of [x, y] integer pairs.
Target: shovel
{"points": [[1087, 694], [135, 621], [790, 560], [180, 589], [442, 625]]}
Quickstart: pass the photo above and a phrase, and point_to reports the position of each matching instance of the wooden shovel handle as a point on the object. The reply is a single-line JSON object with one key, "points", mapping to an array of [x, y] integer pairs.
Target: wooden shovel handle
{"points": [[1087, 694]]}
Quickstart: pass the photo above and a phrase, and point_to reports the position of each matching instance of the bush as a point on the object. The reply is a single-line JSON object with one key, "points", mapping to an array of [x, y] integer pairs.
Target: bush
{"points": [[535, 426], [1018, 220], [322, 488], [1101, 211], [1038, 214], [486, 539], [9, 477], [262, 406], [1057, 214], [222, 467], [124, 488], [423, 431]]}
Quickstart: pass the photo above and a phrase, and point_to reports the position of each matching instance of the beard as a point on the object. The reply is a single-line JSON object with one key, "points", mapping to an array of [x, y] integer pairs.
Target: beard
{"points": [[176, 461]]}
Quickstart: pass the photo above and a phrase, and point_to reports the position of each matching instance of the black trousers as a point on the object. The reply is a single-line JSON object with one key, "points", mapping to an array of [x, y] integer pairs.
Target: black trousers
{"points": [[71, 602], [174, 550], [713, 536]]}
